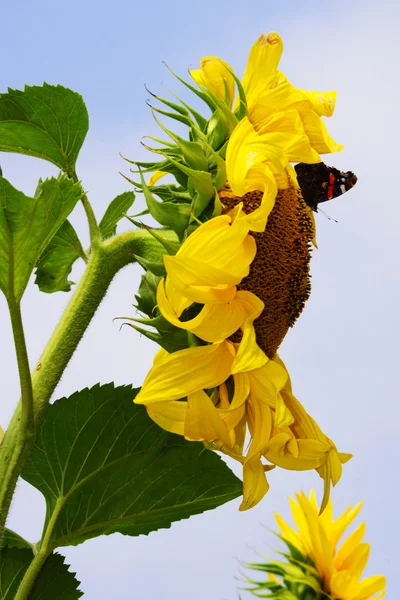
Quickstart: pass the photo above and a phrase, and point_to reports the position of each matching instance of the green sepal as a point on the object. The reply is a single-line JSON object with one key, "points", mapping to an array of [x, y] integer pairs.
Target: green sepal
{"points": [[165, 165], [192, 151], [209, 101], [175, 151], [173, 215], [157, 268], [167, 192], [217, 206], [219, 177], [170, 192], [177, 117], [201, 121], [202, 184], [146, 298], [168, 103], [242, 110], [171, 341]]}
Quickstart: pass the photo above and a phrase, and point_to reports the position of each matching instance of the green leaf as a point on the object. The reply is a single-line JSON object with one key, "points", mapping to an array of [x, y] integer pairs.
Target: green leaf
{"points": [[28, 224], [105, 467], [55, 262], [14, 540], [54, 582], [48, 122], [115, 212]]}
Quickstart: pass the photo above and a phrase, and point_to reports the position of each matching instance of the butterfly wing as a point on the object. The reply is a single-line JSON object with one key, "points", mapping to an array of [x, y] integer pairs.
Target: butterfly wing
{"points": [[319, 182]]}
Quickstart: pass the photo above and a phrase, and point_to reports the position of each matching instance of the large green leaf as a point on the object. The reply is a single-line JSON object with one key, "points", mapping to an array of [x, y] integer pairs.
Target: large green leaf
{"points": [[28, 224], [54, 582], [115, 212], [55, 263], [14, 540], [47, 121], [105, 467]]}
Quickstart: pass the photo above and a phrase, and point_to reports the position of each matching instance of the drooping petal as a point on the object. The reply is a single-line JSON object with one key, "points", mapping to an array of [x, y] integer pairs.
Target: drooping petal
{"points": [[249, 355], [174, 376], [213, 259], [214, 323], [255, 484], [203, 421], [266, 384], [168, 415], [311, 453]]}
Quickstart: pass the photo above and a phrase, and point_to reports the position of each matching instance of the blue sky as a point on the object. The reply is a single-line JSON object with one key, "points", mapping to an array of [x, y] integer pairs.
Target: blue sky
{"points": [[343, 352]]}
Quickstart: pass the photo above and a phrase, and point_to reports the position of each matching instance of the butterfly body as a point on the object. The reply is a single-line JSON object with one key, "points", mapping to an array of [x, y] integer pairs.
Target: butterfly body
{"points": [[320, 183]]}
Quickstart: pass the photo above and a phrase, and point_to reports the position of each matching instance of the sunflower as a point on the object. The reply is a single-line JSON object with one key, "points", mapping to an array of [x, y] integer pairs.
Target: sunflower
{"points": [[316, 565], [236, 276]]}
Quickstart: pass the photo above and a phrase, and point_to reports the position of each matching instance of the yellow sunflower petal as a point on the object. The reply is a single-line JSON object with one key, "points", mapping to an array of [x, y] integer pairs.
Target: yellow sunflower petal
{"points": [[214, 323], [203, 421], [155, 177], [344, 585], [356, 561], [216, 75], [261, 70], [349, 545], [318, 134], [176, 375], [259, 420], [370, 586], [253, 155], [342, 523], [322, 551], [322, 102], [311, 454], [168, 415], [255, 484], [212, 260], [289, 533]]}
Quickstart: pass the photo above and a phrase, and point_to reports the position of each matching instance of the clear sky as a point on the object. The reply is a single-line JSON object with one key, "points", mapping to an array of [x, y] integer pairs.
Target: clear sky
{"points": [[343, 353]]}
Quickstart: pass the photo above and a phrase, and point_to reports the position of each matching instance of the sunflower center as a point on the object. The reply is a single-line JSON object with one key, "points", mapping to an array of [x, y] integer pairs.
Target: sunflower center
{"points": [[280, 273]]}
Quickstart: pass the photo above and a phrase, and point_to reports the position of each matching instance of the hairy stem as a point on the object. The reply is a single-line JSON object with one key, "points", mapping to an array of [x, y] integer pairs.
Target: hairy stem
{"points": [[38, 561], [25, 429], [104, 262], [94, 230], [27, 416]]}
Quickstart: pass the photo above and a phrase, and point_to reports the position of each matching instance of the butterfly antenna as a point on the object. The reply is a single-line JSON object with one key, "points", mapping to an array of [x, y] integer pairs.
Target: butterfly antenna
{"points": [[326, 215]]}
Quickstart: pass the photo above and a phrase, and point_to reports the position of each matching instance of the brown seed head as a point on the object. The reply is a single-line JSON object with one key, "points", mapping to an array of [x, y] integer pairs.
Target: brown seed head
{"points": [[279, 274]]}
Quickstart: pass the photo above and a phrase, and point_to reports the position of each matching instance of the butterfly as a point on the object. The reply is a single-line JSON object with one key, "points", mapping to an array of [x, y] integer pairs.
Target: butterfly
{"points": [[319, 183]]}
